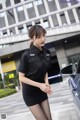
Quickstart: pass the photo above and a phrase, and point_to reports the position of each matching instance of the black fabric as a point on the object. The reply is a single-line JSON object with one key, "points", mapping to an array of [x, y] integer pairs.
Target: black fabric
{"points": [[23, 66], [34, 63]]}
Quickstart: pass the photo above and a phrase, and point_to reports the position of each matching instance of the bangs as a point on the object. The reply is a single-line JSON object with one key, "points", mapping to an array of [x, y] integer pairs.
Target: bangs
{"points": [[37, 31]]}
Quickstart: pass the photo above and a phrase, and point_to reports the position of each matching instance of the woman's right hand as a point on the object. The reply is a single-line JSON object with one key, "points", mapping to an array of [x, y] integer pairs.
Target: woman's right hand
{"points": [[44, 88]]}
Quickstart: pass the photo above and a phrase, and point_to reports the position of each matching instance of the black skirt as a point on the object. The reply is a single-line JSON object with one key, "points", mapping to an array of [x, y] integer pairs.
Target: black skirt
{"points": [[33, 95]]}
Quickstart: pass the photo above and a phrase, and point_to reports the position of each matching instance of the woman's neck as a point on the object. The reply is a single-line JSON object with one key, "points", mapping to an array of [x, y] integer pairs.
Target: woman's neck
{"points": [[39, 47]]}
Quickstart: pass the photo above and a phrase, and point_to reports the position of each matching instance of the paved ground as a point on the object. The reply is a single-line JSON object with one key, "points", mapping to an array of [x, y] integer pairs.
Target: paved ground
{"points": [[61, 105]]}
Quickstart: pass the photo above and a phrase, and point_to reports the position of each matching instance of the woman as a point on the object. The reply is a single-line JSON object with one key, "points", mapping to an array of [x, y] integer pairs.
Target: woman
{"points": [[33, 74]]}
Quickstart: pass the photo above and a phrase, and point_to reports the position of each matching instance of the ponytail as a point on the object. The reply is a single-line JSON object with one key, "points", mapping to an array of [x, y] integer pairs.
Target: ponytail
{"points": [[31, 44]]}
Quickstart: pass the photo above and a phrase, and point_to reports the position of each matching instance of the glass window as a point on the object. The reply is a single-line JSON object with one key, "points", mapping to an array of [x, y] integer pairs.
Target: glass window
{"points": [[52, 5], [31, 10], [4, 32], [10, 16], [55, 20], [38, 23], [12, 31], [0, 33], [78, 1], [78, 12], [63, 19], [21, 29], [20, 8], [38, 2], [29, 25], [8, 3], [50, 0], [71, 16], [2, 14], [74, 59], [20, 13], [41, 9], [2, 20], [17, 1], [73, 2], [46, 24], [0, 46], [0, 6], [63, 3], [29, 5]]}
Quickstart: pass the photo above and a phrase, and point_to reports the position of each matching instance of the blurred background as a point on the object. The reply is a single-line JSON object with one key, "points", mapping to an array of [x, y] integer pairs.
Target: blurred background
{"points": [[61, 19]]}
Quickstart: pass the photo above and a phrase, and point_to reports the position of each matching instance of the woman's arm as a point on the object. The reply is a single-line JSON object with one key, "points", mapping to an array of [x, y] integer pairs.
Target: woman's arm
{"points": [[28, 81], [46, 79], [47, 83]]}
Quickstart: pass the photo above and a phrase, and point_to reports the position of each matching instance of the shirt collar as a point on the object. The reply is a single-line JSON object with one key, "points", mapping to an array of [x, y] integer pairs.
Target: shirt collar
{"points": [[35, 49]]}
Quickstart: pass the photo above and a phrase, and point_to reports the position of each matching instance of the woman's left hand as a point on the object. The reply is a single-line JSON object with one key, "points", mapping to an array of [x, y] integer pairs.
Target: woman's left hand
{"points": [[50, 88]]}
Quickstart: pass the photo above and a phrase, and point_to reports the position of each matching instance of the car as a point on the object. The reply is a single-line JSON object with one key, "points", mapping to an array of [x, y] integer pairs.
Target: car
{"points": [[74, 82]]}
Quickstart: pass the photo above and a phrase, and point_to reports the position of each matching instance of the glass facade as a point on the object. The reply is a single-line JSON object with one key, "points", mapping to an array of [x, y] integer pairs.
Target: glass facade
{"points": [[19, 12]]}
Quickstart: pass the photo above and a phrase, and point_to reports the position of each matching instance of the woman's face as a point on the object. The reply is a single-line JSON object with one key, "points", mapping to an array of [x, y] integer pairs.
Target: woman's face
{"points": [[40, 41]]}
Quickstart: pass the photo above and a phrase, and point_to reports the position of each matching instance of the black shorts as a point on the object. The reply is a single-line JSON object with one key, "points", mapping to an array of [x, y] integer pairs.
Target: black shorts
{"points": [[34, 97]]}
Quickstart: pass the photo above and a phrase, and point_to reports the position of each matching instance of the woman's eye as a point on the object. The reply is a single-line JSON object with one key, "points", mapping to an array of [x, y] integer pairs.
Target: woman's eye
{"points": [[38, 37]]}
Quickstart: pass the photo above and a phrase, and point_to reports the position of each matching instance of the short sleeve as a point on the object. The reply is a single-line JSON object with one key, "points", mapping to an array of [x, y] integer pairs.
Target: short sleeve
{"points": [[23, 65]]}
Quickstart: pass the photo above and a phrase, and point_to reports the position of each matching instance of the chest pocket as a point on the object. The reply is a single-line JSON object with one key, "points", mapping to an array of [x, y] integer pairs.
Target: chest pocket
{"points": [[34, 62]]}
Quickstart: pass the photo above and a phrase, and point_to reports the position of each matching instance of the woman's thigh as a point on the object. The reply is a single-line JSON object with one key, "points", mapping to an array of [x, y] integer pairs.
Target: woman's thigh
{"points": [[37, 112], [46, 109]]}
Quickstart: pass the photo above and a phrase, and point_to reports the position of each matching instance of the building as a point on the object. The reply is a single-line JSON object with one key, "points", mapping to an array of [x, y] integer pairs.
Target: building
{"points": [[61, 18]]}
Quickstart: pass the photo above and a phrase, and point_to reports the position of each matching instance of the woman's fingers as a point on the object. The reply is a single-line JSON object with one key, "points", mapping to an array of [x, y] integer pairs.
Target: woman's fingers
{"points": [[48, 90]]}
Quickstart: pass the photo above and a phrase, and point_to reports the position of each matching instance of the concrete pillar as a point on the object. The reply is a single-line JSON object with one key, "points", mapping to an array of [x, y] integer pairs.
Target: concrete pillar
{"points": [[16, 29], [8, 31], [25, 28], [58, 16], [33, 23], [57, 4], [46, 6], [59, 19], [74, 13], [36, 9], [25, 12], [6, 19], [15, 12], [47, 11], [51, 21], [16, 17], [1, 33], [67, 17], [41, 22], [61, 55]]}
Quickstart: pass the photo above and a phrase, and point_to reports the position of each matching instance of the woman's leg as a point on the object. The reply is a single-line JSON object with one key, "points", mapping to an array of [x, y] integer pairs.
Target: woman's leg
{"points": [[37, 112], [46, 109]]}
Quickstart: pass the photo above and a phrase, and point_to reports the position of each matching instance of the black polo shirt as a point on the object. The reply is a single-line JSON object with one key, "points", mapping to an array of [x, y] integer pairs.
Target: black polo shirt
{"points": [[35, 63]]}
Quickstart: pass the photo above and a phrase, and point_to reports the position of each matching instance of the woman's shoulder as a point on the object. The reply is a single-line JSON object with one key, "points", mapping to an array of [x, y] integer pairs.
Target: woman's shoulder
{"points": [[25, 53]]}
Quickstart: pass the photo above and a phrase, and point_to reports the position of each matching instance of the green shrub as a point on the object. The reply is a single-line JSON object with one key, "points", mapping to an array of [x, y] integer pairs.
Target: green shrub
{"points": [[12, 85], [6, 92], [1, 85]]}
